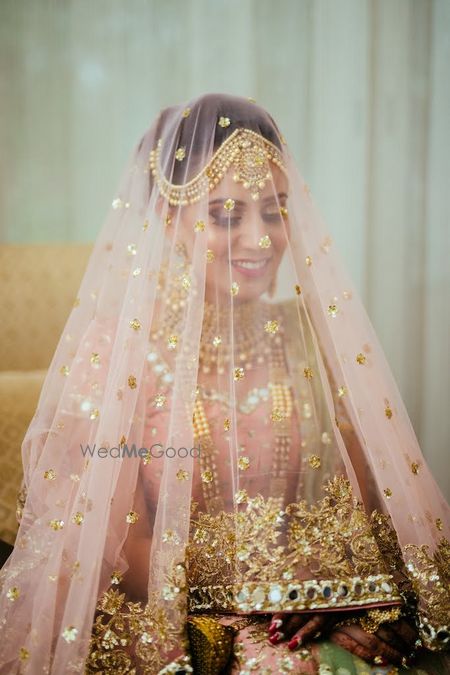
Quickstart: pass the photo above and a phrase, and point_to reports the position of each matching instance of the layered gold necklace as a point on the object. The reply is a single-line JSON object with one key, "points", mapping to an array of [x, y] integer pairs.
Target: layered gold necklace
{"points": [[259, 342], [281, 416], [243, 338], [241, 334], [234, 336]]}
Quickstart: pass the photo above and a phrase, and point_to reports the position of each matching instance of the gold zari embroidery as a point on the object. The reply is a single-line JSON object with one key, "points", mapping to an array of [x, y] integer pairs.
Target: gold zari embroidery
{"points": [[253, 560], [423, 578], [130, 634], [257, 559]]}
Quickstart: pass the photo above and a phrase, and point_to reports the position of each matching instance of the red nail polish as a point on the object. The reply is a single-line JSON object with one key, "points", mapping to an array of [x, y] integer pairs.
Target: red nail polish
{"points": [[275, 625], [381, 661], [276, 637], [295, 642]]}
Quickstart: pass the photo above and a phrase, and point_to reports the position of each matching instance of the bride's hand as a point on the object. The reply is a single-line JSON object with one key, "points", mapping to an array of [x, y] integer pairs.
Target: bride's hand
{"points": [[298, 628], [392, 643]]}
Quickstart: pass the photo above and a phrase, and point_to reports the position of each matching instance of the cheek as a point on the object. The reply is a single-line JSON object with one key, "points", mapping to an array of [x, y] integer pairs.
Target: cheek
{"points": [[279, 241], [218, 242]]}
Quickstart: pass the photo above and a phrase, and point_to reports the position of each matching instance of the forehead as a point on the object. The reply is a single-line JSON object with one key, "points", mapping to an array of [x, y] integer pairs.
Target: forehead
{"points": [[228, 188]]}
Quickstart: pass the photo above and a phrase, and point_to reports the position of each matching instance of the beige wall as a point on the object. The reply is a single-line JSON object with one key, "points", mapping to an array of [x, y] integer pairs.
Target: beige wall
{"points": [[359, 88]]}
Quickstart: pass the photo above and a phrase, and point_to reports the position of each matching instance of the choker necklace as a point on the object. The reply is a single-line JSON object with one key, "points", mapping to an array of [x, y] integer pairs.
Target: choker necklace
{"points": [[252, 344], [255, 332]]}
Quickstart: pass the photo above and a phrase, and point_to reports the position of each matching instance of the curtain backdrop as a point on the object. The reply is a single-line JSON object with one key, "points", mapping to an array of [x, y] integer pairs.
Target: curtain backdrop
{"points": [[359, 88]]}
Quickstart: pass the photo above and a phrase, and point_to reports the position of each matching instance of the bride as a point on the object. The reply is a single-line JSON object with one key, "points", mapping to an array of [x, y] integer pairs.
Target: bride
{"points": [[256, 500]]}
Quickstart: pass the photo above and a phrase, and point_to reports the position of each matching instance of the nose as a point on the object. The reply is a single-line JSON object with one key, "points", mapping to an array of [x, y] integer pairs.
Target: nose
{"points": [[252, 231]]}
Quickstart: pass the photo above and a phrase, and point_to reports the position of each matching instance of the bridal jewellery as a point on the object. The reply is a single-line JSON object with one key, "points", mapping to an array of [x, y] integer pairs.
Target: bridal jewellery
{"points": [[282, 406], [246, 151], [259, 340]]}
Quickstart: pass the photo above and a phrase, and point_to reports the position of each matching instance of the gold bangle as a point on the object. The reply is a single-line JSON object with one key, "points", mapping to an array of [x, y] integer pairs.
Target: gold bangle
{"points": [[347, 622], [375, 617]]}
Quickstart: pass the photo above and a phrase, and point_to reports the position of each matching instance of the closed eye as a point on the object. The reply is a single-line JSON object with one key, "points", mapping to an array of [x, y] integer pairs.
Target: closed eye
{"points": [[272, 215], [224, 222]]}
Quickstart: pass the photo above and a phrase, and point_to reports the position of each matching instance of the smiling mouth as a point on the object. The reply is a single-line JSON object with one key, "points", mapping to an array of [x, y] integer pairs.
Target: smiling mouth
{"points": [[248, 264]]}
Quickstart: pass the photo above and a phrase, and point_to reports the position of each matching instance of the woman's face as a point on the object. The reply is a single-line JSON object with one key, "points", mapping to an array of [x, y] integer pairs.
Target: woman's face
{"points": [[234, 236]]}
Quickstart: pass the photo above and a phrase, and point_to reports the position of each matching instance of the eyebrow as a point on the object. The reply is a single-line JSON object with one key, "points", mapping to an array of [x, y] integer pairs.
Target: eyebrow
{"points": [[239, 202]]}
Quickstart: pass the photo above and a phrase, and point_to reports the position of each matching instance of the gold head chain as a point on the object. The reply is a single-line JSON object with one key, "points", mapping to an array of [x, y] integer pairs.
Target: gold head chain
{"points": [[245, 150]]}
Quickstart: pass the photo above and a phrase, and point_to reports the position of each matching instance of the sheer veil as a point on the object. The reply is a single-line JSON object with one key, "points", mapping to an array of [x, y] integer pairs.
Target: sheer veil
{"points": [[219, 429]]}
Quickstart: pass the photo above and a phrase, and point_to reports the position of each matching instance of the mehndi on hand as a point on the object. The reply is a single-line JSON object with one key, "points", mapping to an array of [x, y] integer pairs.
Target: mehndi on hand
{"points": [[380, 636]]}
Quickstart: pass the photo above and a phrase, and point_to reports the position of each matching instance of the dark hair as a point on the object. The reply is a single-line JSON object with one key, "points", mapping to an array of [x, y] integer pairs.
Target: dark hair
{"points": [[194, 130]]}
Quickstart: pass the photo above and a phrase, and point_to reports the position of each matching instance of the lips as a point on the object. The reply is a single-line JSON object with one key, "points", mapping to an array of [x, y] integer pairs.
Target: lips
{"points": [[247, 263], [251, 268]]}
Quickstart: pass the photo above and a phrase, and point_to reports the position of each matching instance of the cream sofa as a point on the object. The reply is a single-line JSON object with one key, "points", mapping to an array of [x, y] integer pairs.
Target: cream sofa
{"points": [[38, 284]]}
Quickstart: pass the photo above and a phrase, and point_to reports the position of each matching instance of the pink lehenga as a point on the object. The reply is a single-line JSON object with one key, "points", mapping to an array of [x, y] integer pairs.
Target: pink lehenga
{"points": [[219, 437]]}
